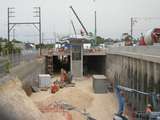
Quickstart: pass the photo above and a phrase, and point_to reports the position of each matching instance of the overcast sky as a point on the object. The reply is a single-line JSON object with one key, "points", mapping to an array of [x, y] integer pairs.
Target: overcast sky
{"points": [[113, 16]]}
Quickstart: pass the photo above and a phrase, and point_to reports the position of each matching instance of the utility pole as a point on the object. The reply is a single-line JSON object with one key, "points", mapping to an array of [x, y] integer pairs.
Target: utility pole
{"points": [[37, 24], [38, 12], [40, 36], [95, 14], [10, 11], [8, 26], [132, 27]]}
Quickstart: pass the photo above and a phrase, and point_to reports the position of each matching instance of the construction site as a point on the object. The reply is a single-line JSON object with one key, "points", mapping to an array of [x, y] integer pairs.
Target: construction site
{"points": [[81, 76]]}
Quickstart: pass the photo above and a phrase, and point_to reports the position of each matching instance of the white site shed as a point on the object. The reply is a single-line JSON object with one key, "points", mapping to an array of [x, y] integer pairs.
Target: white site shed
{"points": [[44, 80]]}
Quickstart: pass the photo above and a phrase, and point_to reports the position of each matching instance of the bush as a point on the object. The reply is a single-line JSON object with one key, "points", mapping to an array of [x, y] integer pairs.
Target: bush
{"points": [[7, 66]]}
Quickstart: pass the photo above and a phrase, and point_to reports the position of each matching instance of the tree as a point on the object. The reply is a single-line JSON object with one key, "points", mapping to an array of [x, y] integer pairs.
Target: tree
{"points": [[0, 49], [16, 41], [9, 46], [99, 40]]}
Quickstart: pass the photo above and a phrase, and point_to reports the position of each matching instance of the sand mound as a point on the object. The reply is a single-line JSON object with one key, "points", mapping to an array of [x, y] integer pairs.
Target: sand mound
{"points": [[15, 104], [54, 116], [72, 96], [100, 106]]}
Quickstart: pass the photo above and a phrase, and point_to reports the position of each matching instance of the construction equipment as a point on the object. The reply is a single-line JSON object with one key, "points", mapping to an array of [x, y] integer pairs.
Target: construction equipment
{"points": [[151, 37], [143, 115], [74, 28], [79, 20]]}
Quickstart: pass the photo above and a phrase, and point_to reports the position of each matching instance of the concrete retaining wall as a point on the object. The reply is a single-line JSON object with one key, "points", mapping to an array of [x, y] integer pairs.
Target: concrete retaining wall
{"points": [[135, 67]]}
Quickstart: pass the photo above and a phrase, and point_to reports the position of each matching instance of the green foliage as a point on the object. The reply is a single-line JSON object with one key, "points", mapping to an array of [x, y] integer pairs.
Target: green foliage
{"points": [[3, 39], [45, 46], [5, 51], [16, 41], [49, 45], [9, 47], [7, 66], [99, 40], [17, 50], [1, 47]]}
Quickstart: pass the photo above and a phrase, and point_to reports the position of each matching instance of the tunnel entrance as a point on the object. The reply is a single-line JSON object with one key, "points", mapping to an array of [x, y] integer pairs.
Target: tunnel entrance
{"points": [[61, 62], [93, 65]]}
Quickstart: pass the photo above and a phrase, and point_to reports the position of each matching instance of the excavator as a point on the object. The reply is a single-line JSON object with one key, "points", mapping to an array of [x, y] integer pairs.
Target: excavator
{"points": [[141, 115]]}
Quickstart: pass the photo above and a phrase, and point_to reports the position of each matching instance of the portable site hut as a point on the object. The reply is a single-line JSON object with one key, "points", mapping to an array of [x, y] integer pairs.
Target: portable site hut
{"points": [[76, 53]]}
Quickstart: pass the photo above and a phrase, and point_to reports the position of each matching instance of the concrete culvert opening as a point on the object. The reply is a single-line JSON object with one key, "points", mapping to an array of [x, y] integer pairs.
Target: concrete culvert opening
{"points": [[61, 62], [93, 65]]}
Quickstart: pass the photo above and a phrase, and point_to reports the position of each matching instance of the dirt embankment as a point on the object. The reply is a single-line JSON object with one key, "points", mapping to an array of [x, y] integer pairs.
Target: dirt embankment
{"points": [[15, 104]]}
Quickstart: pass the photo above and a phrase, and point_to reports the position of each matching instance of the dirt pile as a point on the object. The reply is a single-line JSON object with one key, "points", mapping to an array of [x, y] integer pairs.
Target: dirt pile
{"points": [[100, 106], [103, 106], [15, 104], [72, 96]]}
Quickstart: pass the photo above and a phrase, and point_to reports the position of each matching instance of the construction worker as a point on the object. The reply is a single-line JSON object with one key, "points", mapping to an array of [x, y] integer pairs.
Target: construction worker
{"points": [[54, 87], [121, 101], [63, 76], [148, 108]]}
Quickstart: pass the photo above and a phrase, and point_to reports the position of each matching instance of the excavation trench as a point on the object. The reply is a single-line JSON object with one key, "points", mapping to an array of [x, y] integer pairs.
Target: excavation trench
{"points": [[16, 105]]}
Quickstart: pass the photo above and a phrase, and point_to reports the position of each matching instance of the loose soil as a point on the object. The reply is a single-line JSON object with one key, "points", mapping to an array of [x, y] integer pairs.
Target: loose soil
{"points": [[100, 106]]}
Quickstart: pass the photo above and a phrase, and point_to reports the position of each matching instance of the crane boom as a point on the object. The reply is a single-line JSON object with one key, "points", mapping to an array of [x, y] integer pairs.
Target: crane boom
{"points": [[79, 20], [73, 28]]}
